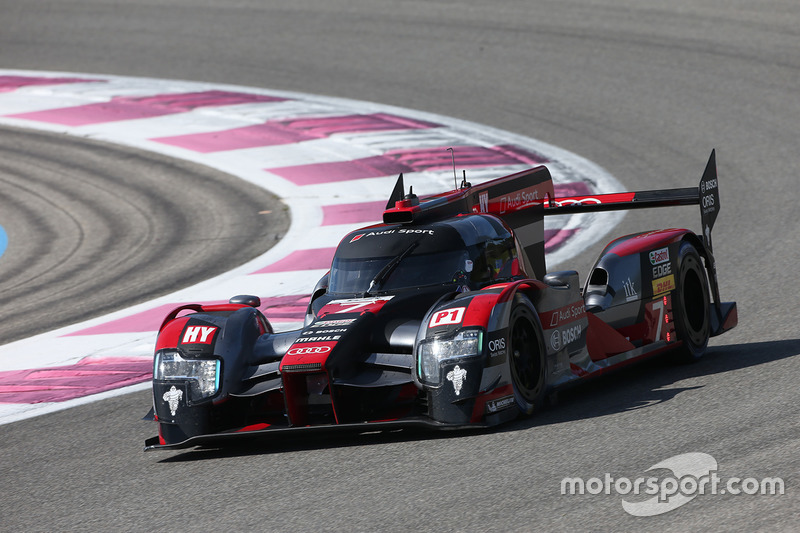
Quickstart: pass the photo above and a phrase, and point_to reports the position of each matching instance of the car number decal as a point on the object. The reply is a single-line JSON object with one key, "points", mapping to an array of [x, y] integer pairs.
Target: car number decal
{"points": [[447, 317]]}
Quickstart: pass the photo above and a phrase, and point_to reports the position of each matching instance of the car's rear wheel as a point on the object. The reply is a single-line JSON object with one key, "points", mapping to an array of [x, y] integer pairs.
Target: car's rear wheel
{"points": [[526, 357], [692, 305]]}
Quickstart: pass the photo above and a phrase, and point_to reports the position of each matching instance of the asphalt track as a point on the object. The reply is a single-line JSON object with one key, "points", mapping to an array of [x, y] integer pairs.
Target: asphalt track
{"points": [[90, 220], [645, 89]]}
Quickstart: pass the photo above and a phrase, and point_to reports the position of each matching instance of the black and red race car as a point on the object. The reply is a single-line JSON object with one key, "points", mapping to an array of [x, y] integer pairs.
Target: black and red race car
{"points": [[444, 316]]}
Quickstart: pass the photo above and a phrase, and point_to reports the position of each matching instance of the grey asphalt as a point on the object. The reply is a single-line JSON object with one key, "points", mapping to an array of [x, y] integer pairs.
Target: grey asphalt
{"points": [[89, 223], [643, 88]]}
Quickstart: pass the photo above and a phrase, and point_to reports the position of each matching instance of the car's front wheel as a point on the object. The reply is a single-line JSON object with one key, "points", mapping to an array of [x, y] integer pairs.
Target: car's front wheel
{"points": [[526, 356]]}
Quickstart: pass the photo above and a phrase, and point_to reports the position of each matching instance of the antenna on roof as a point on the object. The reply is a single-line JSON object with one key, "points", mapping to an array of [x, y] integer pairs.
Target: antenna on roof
{"points": [[464, 183], [455, 178]]}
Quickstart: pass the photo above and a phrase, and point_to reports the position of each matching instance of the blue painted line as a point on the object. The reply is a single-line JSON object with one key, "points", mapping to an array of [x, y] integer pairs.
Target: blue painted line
{"points": [[3, 240]]}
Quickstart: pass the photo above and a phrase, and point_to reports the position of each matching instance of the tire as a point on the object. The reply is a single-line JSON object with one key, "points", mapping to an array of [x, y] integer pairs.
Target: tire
{"points": [[526, 359], [692, 305]]}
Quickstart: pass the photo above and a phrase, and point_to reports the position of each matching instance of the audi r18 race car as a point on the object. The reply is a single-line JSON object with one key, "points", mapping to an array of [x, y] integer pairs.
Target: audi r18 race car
{"points": [[443, 316]]}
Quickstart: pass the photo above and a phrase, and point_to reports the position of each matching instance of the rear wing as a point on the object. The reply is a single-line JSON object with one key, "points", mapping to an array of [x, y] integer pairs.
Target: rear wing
{"points": [[706, 194]]}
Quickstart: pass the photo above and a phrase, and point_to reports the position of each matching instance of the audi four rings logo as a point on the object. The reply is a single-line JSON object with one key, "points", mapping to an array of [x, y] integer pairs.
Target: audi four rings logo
{"points": [[305, 350]]}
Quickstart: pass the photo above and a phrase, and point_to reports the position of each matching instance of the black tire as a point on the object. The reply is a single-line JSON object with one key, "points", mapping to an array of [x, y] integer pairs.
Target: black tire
{"points": [[526, 359], [692, 305]]}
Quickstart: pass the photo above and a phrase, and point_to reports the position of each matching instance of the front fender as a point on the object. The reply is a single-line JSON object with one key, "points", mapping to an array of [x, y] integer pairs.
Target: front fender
{"points": [[460, 394]]}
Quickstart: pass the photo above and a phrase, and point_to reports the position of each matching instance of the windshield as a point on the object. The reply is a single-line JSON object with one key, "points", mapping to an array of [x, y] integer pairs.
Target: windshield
{"points": [[354, 276]]}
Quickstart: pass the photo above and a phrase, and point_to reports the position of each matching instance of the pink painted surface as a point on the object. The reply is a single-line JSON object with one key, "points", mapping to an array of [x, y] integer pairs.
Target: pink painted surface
{"points": [[575, 188], [279, 132], [62, 383], [286, 308], [408, 160], [311, 259], [357, 213], [128, 108], [12, 83], [144, 321], [274, 308], [555, 238]]}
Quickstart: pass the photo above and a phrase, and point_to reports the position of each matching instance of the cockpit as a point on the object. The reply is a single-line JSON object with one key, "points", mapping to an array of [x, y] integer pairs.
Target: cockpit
{"points": [[469, 251]]}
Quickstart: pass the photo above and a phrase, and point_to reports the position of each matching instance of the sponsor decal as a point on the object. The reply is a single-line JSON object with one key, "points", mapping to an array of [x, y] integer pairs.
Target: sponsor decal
{"points": [[708, 203], [332, 323], [659, 256], [319, 338], [562, 337], [659, 271], [493, 406], [708, 185], [483, 201], [411, 231], [354, 305], [328, 331], [447, 317], [555, 340], [497, 347], [567, 313], [571, 201], [457, 376], [307, 350], [518, 200], [663, 284], [198, 335], [707, 200], [630, 290], [401, 231], [371, 234], [173, 397]]}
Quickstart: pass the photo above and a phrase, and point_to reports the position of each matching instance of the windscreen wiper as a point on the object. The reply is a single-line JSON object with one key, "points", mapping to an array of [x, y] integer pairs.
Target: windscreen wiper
{"points": [[381, 276]]}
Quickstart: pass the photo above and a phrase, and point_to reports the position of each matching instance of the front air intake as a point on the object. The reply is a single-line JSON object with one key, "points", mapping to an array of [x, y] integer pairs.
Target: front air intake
{"points": [[307, 367]]}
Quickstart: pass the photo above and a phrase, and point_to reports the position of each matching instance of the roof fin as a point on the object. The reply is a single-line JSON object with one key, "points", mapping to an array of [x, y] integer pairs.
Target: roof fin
{"points": [[397, 193]]}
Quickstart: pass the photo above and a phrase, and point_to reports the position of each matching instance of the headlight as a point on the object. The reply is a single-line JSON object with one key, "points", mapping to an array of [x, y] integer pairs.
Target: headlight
{"points": [[433, 352], [201, 374]]}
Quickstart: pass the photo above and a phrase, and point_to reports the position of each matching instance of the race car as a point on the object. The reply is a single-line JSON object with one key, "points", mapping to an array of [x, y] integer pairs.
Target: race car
{"points": [[443, 316]]}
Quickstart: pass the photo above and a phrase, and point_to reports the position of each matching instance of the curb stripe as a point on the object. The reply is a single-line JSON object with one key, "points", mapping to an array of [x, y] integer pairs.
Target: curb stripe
{"points": [[12, 83], [129, 108], [394, 162], [63, 383], [275, 308], [310, 259], [273, 133]]}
